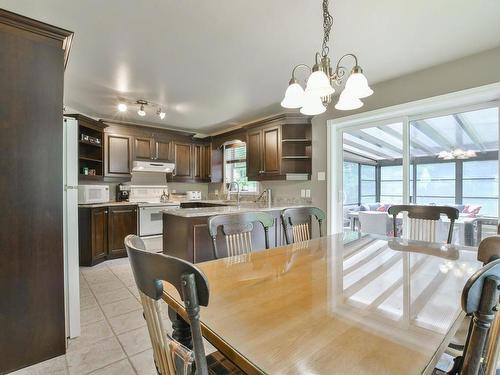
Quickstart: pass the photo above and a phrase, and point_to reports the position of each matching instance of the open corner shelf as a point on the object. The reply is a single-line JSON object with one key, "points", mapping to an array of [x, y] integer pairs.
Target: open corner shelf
{"points": [[89, 143], [296, 140], [296, 157], [90, 159]]}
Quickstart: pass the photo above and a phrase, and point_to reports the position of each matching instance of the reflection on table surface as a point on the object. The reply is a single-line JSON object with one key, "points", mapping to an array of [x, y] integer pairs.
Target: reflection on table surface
{"points": [[342, 304]]}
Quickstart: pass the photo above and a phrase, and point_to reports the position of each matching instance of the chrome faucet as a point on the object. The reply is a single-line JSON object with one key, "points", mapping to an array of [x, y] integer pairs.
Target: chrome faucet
{"points": [[268, 193], [229, 192]]}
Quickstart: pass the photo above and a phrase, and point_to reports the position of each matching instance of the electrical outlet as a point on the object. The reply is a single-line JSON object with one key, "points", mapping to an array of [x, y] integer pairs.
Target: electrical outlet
{"points": [[321, 176], [308, 193], [303, 193]]}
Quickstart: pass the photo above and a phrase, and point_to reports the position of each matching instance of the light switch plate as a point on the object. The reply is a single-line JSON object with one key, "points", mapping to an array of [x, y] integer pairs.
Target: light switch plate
{"points": [[308, 193], [303, 193], [321, 176]]}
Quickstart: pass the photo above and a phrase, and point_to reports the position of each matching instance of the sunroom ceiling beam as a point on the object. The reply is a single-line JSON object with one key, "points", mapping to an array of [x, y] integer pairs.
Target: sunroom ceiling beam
{"points": [[368, 150], [376, 141], [414, 143], [469, 130], [433, 134]]}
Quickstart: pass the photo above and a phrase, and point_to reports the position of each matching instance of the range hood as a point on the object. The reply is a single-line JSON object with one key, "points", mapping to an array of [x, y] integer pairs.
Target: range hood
{"points": [[151, 166]]}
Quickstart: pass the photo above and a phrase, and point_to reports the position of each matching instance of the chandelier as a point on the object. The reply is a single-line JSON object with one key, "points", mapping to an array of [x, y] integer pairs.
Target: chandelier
{"points": [[319, 85], [457, 154], [141, 105]]}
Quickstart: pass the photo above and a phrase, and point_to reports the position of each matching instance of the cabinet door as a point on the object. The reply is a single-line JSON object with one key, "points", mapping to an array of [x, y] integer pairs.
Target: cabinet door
{"points": [[122, 221], [162, 150], [207, 162], [99, 233], [183, 161], [198, 162], [271, 156], [143, 149], [118, 155], [254, 157]]}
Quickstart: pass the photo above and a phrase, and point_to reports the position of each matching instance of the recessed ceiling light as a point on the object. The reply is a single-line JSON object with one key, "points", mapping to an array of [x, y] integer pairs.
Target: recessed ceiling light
{"points": [[122, 107]]}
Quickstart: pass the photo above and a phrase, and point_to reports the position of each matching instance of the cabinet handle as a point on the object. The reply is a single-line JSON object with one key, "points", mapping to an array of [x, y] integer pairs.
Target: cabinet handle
{"points": [[106, 211]]}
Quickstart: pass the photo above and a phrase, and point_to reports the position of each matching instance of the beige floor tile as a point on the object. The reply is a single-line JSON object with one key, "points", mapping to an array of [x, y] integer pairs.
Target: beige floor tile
{"points": [[93, 269], [105, 298], [135, 341], [93, 357], [54, 366], [133, 289], [121, 307], [107, 286], [86, 302], [144, 363], [103, 276], [127, 322], [90, 334], [85, 291], [128, 280], [91, 315], [118, 368]]}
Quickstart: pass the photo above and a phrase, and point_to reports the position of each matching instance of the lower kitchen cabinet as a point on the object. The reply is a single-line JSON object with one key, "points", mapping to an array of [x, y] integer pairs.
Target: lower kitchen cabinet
{"points": [[102, 231], [122, 221]]}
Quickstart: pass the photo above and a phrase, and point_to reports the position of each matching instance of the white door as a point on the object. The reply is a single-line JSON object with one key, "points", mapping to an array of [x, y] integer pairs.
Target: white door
{"points": [[71, 260]]}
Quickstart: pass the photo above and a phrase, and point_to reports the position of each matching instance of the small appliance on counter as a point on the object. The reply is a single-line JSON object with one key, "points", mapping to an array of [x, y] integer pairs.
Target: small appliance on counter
{"points": [[193, 195], [122, 192], [90, 194]]}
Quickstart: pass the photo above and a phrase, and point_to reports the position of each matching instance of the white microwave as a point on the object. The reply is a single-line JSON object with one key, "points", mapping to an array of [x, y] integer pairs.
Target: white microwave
{"points": [[93, 194]]}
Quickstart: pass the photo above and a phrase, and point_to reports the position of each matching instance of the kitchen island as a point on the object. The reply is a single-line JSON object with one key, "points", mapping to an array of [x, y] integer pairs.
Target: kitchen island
{"points": [[185, 231]]}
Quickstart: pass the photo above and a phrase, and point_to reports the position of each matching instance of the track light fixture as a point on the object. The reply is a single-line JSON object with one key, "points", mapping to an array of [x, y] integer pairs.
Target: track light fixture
{"points": [[142, 106]]}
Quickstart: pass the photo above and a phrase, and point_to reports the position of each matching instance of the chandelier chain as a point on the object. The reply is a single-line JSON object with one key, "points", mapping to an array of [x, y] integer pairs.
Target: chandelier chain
{"points": [[327, 26]]}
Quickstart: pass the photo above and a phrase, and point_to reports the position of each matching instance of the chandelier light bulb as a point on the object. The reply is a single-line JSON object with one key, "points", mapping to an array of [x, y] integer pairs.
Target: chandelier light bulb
{"points": [[357, 84], [319, 84], [347, 102], [141, 112], [161, 114], [312, 104], [122, 107], [294, 96]]}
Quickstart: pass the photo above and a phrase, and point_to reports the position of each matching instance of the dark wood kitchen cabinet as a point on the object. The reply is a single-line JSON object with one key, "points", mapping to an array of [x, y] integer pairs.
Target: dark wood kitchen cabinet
{"points": [[264, 152], [163, 148], [122, 221], [33, 55], [156, 149], [101, 231], [118, 155], [183, 162], [202, 162]]}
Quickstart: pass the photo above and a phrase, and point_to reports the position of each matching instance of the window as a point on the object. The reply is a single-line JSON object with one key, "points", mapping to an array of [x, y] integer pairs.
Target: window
{"points": [[235, 167], [391, 184], [368, 184], [351, 183], [436, 183], [480, 185]]}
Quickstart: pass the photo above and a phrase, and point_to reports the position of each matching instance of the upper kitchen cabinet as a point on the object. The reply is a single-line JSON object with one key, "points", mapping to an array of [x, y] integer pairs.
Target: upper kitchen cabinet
{"points": [[279, 148], [157, 148], [163, 149], [183, 162], [118, 156]]}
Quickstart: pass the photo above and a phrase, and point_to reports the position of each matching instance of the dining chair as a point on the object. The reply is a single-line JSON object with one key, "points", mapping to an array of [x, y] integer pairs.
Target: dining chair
{"points": [[170, 356], [422, 221], [480, 298], [237, 230], [299, 219]]}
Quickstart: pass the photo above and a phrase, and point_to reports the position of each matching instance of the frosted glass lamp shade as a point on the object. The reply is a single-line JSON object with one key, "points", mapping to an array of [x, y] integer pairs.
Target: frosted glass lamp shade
{"points": [[347, 102], [357, 85], [319, 84], [312, 104], [294, 96]]}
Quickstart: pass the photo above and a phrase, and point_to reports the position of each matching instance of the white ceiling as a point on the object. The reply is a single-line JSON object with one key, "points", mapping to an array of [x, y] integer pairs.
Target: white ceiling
{"points": [[218, 63]]}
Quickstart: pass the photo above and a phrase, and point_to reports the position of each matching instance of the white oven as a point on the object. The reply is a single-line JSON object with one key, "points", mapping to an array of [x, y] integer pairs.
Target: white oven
{"points": [[151, 218], [88, 194]]}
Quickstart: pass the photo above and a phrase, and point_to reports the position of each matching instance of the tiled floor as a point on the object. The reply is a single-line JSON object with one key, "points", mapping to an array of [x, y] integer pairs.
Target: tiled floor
{"points": [[114, 338]]}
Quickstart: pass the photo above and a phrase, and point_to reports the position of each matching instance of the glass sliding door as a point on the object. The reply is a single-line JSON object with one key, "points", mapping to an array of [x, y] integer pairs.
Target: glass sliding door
{"points": [[455, 163], [372, 175]]}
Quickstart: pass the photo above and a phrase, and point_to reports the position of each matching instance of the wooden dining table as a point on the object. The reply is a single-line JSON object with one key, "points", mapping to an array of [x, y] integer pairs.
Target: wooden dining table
{"points": [[348, 303]]}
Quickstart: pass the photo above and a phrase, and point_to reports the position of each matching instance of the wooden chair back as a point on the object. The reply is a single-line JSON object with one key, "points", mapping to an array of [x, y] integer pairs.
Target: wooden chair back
{"points": [[480, 298], [421, 222], [237, 230], [299, 220], [150, 270]]}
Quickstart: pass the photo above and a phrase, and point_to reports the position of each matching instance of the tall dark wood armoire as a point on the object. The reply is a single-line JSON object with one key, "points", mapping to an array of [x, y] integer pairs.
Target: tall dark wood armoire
{"points": [[32, 316]]}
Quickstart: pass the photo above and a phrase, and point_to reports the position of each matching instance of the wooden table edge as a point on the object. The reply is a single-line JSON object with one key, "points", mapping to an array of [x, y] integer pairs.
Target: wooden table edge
{"points": [[214, 339]]}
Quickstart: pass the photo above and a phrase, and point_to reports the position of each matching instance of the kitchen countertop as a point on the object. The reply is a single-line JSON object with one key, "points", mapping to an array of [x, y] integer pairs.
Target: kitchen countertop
{"points": [[228, 209], [125, 203]]}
